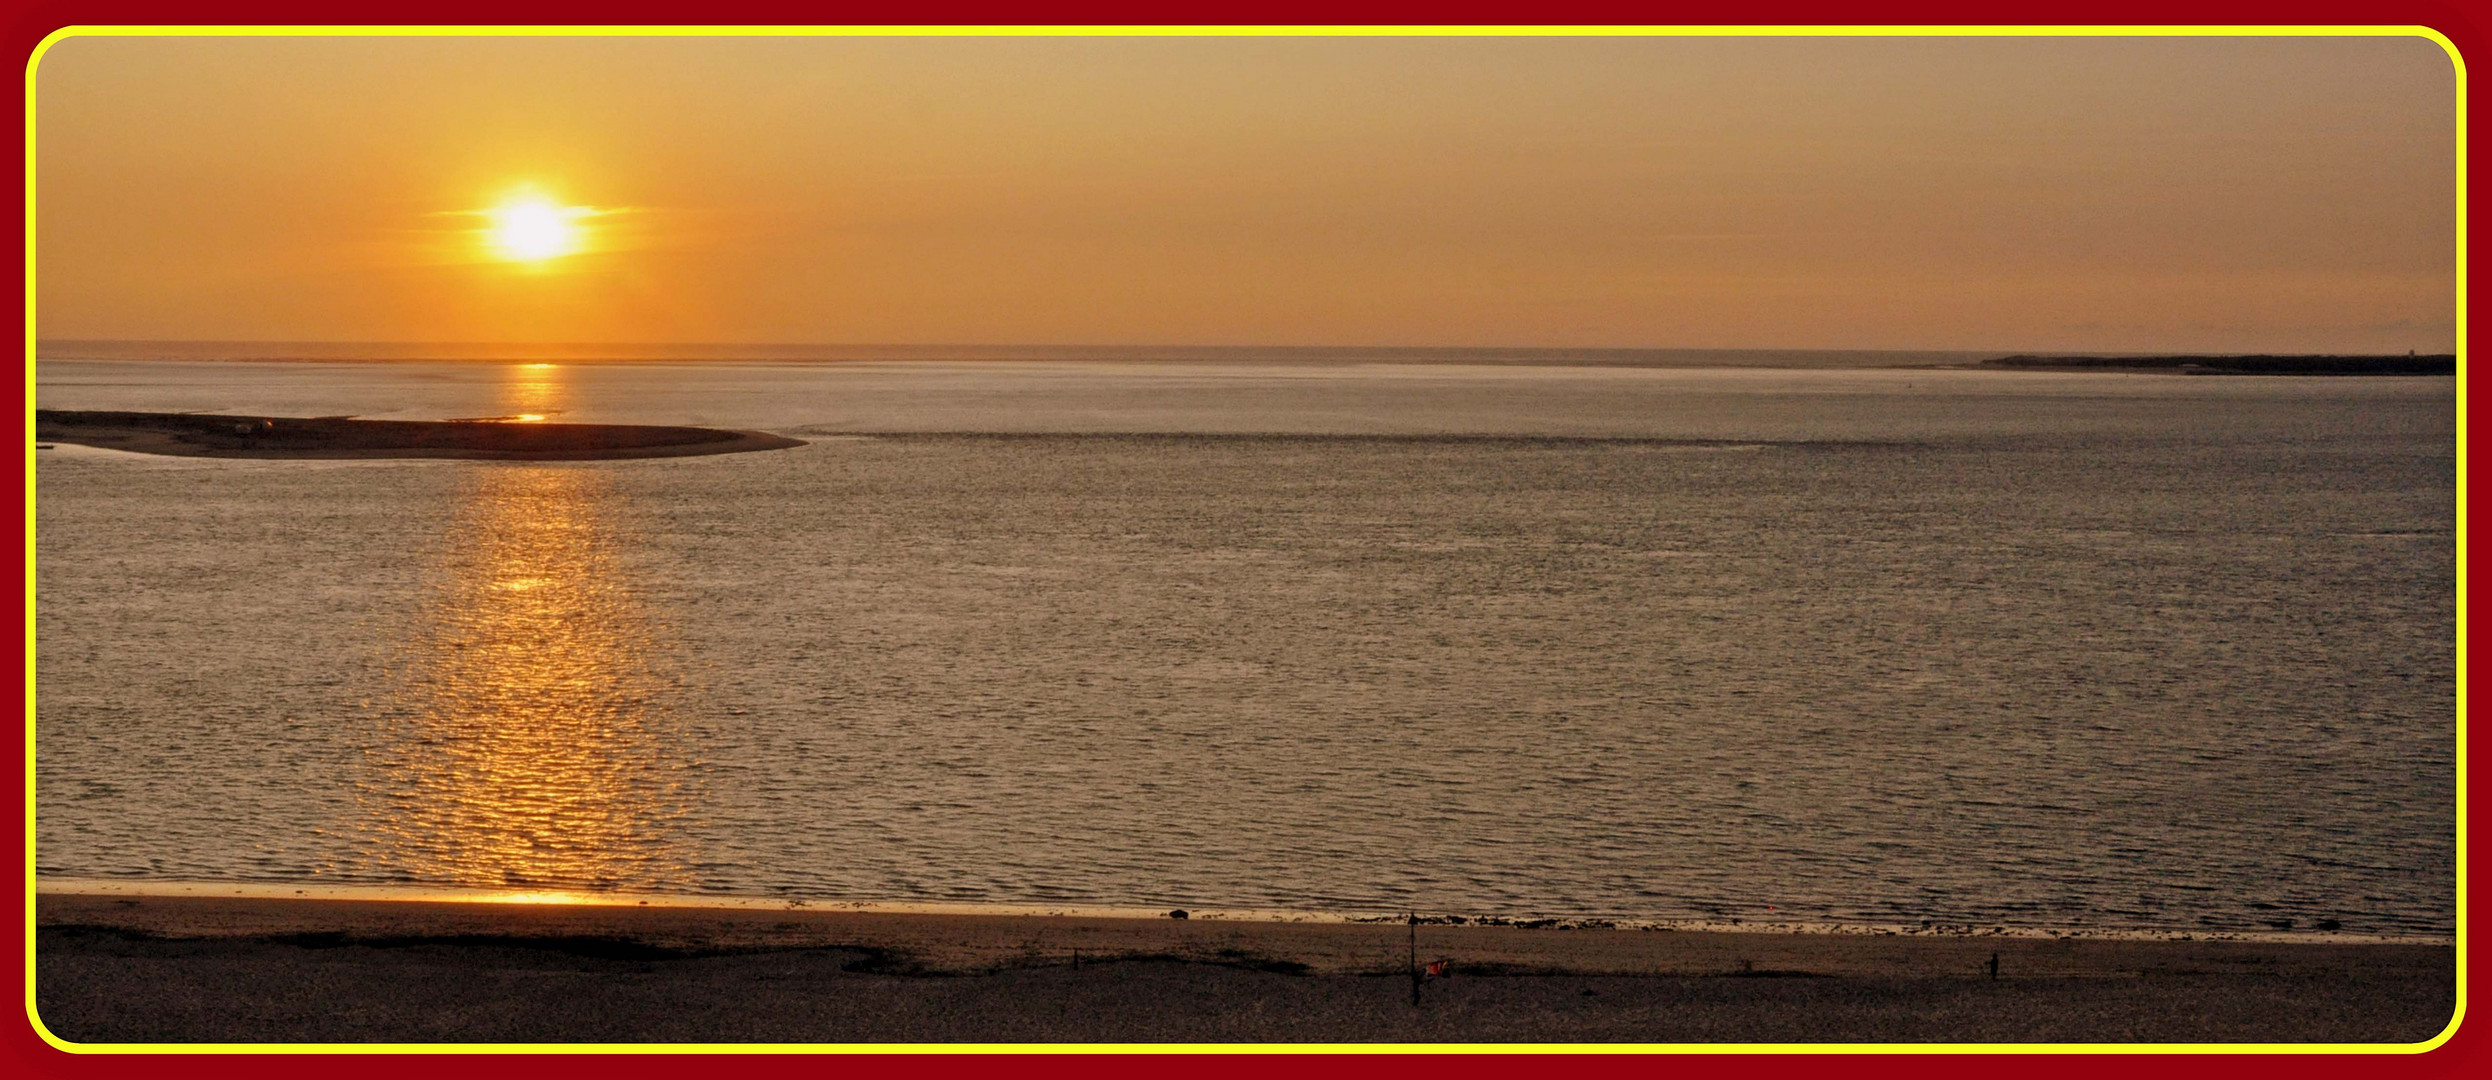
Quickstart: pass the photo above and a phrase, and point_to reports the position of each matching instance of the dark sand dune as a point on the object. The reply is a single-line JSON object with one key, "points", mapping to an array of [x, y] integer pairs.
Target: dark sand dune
{"points": [[229, 436], [159, 969]]}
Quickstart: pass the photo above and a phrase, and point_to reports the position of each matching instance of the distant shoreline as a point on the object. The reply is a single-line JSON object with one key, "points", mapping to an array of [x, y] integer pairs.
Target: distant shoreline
{"points": [[279, 352], [2264, 364], [223, 435], [458, 354]]}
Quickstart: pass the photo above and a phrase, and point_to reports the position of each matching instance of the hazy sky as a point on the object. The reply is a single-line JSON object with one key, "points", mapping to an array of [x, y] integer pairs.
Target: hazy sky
{"points": [[2171, 193]]}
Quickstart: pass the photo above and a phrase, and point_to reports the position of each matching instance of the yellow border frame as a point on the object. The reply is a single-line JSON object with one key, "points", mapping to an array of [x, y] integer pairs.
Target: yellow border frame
{"points": [[2457, 62]]}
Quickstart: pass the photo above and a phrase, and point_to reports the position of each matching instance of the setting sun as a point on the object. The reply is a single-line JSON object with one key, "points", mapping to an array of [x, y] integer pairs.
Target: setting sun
{"points": [[531, 228]]}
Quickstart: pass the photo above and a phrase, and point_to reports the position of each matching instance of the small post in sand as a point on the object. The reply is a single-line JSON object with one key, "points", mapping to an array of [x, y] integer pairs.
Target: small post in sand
{"points": [[1414, 959]]}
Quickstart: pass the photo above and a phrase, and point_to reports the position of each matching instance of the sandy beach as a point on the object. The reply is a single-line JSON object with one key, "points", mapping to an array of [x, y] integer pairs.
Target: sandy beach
{"points": [[331, 437], [116, 969]]}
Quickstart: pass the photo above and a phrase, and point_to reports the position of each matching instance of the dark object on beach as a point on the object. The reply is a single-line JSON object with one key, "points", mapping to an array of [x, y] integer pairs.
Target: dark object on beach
{"points": [[2409, 364], [1414, 959], [203, 435], [1177, 914], [2330, 924], [1994, 965]]}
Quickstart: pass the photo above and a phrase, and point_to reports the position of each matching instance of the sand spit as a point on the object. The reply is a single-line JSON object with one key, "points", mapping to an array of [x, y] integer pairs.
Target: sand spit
{"points": [[2439, 364], [230, 436], [178, 969]]}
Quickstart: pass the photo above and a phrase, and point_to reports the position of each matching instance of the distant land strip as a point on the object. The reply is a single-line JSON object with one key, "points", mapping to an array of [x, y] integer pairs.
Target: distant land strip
{"points": [[225, 435], [1514, 440], [2435, 364]]}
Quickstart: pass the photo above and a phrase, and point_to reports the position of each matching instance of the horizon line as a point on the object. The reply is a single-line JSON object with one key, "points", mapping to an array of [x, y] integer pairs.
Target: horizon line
{"points": [[41, 342]]}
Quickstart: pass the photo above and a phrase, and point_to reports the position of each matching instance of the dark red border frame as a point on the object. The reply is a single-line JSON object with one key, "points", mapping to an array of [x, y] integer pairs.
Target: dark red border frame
{"points": [[24, 25]]}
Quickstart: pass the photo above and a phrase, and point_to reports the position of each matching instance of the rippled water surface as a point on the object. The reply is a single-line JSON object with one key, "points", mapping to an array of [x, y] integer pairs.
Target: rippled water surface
{"points": [[1862, 645]]}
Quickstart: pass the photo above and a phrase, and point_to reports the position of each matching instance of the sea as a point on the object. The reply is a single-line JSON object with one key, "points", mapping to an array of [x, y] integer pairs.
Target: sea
{"points": [[1861, 639]]}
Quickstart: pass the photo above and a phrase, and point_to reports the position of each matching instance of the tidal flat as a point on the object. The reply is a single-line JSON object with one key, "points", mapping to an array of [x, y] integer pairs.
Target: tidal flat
{"points": [[491, 438]]}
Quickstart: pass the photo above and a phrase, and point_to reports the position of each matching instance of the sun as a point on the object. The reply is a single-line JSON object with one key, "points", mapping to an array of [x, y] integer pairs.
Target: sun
{"points": [[532, 228]]}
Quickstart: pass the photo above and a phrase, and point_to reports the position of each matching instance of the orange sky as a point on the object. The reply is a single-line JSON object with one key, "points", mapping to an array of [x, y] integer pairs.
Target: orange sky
{"points": [[2183, 194]]}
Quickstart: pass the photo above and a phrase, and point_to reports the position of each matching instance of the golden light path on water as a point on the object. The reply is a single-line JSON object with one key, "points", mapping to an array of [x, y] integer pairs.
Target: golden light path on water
{"points": [[536, 747], [534, 392]]}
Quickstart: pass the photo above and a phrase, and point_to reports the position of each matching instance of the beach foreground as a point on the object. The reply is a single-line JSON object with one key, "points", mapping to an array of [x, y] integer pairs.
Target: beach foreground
{"points": [[114, 969]]}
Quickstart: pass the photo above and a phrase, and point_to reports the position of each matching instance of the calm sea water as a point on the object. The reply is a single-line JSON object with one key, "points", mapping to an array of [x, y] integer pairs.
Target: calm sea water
{"points": [[1316, 631]]}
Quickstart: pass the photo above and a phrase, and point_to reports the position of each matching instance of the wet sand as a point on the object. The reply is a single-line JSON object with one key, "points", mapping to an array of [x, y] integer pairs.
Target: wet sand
{"points": [[186, 969], [230, 436]]}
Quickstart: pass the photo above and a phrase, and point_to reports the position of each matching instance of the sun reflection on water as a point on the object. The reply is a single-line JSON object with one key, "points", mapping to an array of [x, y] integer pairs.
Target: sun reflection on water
{"points": [[531, 392], [535, 749]]}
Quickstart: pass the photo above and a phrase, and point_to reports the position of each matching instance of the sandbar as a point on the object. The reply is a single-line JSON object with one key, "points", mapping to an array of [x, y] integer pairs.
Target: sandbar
{"points": [[159, 969], [224, 435], [2261, 364]]}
